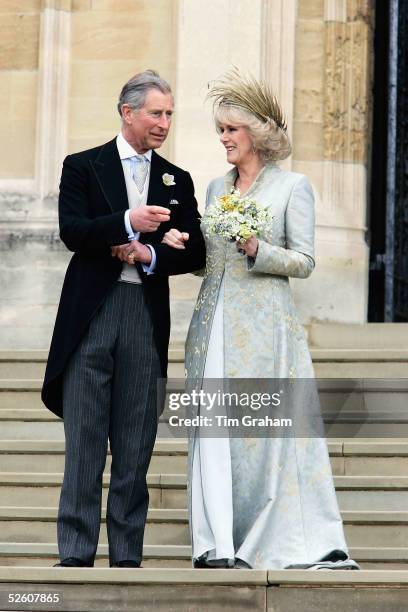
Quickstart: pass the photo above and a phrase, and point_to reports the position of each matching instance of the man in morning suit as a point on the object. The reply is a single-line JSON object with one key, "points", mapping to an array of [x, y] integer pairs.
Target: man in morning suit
{"points": [[111, 334]]}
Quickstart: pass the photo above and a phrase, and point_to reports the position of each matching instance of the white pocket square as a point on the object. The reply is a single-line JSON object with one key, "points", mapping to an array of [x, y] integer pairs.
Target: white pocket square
{"points": [[173, 202]]}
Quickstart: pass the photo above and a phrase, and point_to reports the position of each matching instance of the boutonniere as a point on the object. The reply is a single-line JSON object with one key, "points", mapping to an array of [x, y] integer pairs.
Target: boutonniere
{"points": [[168, 179]]}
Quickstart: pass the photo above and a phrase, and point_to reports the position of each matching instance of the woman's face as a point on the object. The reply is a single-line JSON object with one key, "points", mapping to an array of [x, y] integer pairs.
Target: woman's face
{"points": [[237, 143]]}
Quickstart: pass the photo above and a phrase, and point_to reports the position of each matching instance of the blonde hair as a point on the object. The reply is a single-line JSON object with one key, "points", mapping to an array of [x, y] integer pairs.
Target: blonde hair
{"points": [[267, 137], [241, 99]]}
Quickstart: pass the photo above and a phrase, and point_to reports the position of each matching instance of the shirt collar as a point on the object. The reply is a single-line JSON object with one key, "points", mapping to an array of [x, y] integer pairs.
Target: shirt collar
{"points": [[126, 150]]}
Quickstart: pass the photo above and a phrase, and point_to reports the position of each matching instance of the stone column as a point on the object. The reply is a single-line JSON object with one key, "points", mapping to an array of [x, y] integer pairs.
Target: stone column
{"points": [[52, 109], [331, 135], [278, 55]]}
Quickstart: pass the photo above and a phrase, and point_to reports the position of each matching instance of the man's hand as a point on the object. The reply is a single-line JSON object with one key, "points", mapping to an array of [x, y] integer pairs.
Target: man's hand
{"points": [[175, 239], [148, 218], [131, 252]]}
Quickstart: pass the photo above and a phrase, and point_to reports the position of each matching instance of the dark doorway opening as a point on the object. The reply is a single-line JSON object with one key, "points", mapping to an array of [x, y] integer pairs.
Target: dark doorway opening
{"points": [[388, 213], [377, 207]]}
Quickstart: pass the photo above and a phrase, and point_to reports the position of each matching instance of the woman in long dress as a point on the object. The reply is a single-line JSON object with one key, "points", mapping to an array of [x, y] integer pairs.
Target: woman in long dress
{"points": [[257, 502]]}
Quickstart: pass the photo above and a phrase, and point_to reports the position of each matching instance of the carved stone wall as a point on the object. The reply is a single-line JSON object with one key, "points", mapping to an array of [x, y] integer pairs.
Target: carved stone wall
{"points": [[332, 114], [347, 82]]}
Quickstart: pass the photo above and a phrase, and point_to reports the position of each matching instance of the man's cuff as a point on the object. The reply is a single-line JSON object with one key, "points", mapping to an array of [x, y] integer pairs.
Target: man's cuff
{"points": [[129, 229], [149, 269]]}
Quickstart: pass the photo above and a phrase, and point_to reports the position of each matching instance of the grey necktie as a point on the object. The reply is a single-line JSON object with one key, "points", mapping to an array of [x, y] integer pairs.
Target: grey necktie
{"points": [[139, 166]]}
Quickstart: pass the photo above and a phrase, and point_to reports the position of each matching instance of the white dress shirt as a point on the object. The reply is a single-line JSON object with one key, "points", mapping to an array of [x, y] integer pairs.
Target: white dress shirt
{"points": [[135, 198]]}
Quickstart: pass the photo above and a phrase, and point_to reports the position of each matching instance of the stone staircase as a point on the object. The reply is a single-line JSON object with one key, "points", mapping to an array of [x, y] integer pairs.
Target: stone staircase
{"points": [[368, 446]]}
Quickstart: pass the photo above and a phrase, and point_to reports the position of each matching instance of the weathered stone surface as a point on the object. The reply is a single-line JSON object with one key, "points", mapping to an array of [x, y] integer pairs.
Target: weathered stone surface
{"points": [[18, 94], [158, 597], [16, 6], [96, 79], [311, 9], [335, 10], [308, 139], [23, 95], [16, 148], [89, 119], [346, 95], [28, 301], [308, 104], [58, 5], [19, 36], [361, 10], [310, 55], [360, 599], [114, 5], [109, 31], [81, 5], [141, 34]]}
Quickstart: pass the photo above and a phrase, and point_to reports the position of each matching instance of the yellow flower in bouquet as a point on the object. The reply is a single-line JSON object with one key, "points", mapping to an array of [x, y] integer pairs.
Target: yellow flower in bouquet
{"points": [[236, 218]]}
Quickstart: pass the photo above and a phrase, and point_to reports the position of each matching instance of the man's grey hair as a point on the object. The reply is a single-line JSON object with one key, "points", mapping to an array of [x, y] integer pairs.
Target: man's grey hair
{"points": [[135, 90]]}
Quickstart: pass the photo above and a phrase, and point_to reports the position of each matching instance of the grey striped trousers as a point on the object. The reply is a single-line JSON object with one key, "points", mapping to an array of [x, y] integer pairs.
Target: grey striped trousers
{"points": [[109, 392]]}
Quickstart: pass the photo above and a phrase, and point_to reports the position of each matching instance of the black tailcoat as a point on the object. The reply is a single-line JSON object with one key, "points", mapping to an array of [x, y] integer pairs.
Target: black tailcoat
{"points": [[92, 203]]}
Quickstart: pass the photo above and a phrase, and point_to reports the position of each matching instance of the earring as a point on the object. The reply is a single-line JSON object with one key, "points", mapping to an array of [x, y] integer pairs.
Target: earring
{"points": [[253, 149]]}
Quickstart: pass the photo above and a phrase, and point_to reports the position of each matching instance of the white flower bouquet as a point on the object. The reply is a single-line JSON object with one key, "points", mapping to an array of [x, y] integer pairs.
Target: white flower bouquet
{"points": [[236, 218]]}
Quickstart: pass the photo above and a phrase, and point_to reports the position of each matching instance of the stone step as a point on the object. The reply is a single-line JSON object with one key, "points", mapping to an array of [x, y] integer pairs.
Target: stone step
{"points": [[169, 456], [347, 447], [22, 489], [353, 459], [163, 526], [367, 483], [337, 361], [358, 336], [48, 430], [30, 370], [362, 369], [348, 386], [353, 408], [358, 493], [156, 555], [185, 589], [31, 363], [368, 405], [170, 527], [327, 367]]}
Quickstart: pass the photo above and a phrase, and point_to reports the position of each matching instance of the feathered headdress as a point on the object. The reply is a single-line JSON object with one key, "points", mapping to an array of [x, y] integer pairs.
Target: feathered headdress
{"points": [[237, 89]]}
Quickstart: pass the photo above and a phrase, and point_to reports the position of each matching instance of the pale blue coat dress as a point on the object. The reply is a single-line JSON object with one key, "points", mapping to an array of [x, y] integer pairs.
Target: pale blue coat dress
{"points": [[268, 502]]}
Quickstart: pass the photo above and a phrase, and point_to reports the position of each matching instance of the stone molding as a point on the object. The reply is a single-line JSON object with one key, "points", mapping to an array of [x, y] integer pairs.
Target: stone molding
{"points": [[346, 102], [58, 5], [335, 10], [52, 114], [278, 55], [17, 186]]}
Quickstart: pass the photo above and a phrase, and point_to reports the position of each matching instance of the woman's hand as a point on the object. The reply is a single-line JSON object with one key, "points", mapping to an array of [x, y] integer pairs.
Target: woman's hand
{"points": [[250, 246], [175, 239]]}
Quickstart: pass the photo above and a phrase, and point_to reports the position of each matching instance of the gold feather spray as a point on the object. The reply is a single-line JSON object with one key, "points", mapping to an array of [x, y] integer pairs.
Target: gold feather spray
{"points": [[238, 89]]}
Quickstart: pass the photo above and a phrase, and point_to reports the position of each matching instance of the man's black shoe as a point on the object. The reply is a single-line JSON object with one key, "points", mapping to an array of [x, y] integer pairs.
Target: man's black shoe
{"points": [[73, 562], [126, 563]]}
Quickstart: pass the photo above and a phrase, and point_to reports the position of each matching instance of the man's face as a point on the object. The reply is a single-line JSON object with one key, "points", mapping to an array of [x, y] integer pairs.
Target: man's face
{"points": [[148, 127]]}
